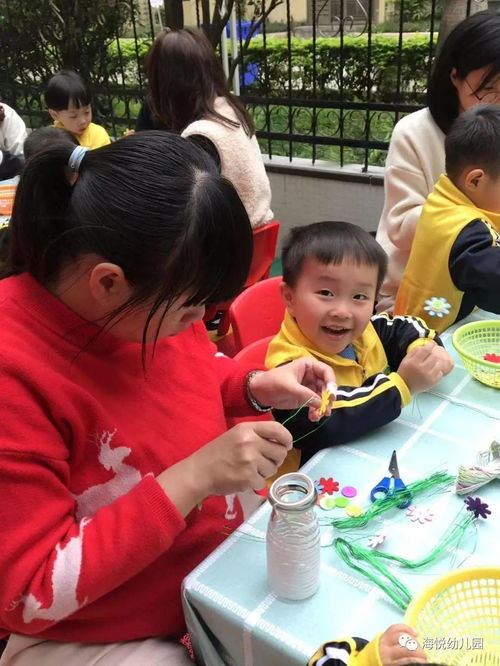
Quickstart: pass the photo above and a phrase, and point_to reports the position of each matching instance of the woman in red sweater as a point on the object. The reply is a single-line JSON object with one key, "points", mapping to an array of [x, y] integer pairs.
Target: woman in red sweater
{"points": [[117, 475]]}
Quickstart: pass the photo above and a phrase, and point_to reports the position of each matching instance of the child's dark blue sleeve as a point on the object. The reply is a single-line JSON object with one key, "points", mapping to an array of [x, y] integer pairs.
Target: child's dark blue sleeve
{"points": [[475, 265], [399, 334], [356, 411]]}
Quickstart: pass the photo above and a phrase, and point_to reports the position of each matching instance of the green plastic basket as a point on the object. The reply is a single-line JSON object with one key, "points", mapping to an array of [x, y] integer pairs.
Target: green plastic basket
{"points": [[473, 341]]}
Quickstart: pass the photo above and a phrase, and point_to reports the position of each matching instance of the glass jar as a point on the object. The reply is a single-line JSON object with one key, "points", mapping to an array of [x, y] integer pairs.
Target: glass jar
{"points": [[293, 538]]}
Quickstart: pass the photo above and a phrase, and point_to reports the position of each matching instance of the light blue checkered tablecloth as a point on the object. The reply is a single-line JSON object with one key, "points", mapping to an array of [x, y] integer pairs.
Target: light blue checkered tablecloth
{"points": [[232, 616]]}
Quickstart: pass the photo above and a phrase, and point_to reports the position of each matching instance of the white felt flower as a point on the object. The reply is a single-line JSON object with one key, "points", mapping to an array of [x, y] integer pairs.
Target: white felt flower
{"points": [[437, 307]]}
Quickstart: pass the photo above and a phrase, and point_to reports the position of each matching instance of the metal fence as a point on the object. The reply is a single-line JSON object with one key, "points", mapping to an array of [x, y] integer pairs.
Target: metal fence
{"points": [[330, 88]]}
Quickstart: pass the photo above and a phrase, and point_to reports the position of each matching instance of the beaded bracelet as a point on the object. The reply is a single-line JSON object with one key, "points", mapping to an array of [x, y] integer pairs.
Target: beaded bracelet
{"points": [[251, 399]]}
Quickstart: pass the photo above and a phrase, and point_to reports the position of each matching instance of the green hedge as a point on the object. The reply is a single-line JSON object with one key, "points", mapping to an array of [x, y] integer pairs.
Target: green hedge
{"points": [[342, 67], [337, 67]]}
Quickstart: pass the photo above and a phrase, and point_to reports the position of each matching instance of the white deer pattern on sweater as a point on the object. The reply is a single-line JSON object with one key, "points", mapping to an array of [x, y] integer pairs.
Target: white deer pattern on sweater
{"points": [[124, 479], [65, 575], [67, 566]]}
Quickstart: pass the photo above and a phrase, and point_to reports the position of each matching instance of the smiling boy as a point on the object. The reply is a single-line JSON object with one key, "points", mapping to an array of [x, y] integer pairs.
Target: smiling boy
{"points": [[69, 101], [331, 274]]}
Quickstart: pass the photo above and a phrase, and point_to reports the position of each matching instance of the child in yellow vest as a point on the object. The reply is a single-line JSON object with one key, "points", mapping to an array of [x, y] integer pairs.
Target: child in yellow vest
{"points": [[331, 275], [68, 98], [454, 262], [398, 645]]}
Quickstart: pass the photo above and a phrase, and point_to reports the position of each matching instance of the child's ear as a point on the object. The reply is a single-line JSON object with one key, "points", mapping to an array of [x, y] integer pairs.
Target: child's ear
{"points": [[287, 294], [53, 114], [473, 178]]}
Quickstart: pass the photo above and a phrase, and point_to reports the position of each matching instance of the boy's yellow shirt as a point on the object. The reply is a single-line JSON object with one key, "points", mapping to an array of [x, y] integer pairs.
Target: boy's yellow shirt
{"points": [[94, 136], [291, 344]]}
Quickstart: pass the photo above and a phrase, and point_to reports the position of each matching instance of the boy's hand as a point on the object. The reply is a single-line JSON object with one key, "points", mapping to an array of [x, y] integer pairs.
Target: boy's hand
{"points": [[422, 368], [291, 385], [398, 646], [442, 357]]}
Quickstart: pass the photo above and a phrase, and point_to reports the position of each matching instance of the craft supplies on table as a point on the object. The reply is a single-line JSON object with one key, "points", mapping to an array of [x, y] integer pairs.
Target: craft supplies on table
{"points": [[478, 344], [293, 538], [458, 617], [235, 619], [391, 485]]}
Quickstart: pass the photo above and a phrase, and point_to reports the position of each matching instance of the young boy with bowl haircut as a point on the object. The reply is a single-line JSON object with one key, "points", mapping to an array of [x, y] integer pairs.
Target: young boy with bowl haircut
{"points": [[331, 275], [69, 101]]}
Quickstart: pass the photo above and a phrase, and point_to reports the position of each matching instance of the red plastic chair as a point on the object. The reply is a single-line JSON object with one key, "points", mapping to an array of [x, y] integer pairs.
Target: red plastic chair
{"points": [[255, 352], [257, 312], [265, 240]]}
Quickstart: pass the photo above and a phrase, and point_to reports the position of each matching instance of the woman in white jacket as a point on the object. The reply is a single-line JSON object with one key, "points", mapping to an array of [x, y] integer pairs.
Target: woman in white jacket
{"points": [[12, 136], [466, 72]]}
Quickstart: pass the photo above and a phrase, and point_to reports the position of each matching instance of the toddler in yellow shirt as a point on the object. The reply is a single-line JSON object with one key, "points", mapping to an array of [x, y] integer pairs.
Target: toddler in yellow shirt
{"points": [[69, 101]]}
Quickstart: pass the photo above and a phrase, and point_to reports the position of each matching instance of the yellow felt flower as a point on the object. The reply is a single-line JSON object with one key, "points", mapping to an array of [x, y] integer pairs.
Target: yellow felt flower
{"points": [[327, 397]]}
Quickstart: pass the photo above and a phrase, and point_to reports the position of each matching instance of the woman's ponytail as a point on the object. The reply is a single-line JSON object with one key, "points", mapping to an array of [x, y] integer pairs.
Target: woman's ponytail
{"points": [[40, 214]]}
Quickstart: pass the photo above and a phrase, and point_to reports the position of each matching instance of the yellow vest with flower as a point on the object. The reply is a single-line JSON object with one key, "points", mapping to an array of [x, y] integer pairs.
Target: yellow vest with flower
{"points": [[427, 290]]}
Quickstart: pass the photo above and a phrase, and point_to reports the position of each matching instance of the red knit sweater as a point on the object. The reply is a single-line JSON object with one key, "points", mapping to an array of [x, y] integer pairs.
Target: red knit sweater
{"points": [[92, 548]]}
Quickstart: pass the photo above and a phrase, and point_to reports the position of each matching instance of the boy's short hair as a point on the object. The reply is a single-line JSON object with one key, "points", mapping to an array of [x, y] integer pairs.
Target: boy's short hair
{"points": [[474, 141], [45, 137], [330, 243], [66, 87]]}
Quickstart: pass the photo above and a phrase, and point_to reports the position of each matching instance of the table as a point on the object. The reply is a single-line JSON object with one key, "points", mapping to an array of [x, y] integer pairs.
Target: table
{"points": [[233, 617], [4, 219]]}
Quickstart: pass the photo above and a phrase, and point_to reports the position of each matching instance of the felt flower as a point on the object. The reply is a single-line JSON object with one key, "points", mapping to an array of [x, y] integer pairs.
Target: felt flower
{"points": [[437, 306], [377, 540], [319, 487], [493, 358], [420, 514], [329, 485], [327, 397], [477, 507]]}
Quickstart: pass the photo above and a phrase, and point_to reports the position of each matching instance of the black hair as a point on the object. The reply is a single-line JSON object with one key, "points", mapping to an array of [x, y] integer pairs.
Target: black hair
{"points": [[474, 43], [46, 137], [66, 87], [474, 140], [152, 203], [185, 77], [330, 243]]}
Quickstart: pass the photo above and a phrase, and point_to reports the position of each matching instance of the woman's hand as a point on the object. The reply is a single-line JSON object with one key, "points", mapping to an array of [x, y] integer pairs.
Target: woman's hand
{"points": [[291, 385], [243, 457]]}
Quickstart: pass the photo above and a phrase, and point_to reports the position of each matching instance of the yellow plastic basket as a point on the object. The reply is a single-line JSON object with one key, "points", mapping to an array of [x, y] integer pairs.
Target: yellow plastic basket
{"points": [[473, 341], [458, 618]]}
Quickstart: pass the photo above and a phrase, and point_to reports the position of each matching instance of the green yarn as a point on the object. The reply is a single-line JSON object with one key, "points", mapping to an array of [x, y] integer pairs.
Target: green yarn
{"points": [[349, 553], [368, 561], [389, 502]]}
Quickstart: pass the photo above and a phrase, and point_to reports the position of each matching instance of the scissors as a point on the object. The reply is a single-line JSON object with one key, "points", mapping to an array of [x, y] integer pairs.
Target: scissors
{"points": [[385, 487]]}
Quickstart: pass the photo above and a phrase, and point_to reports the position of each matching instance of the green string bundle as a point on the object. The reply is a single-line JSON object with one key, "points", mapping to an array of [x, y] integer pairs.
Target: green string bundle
{"points": [[392, 501], [372, 564], [368, 562]]}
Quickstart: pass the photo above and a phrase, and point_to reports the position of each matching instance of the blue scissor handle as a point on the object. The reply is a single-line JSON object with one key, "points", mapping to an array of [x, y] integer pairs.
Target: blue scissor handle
{"points": [[383, 487], [386, 488]]}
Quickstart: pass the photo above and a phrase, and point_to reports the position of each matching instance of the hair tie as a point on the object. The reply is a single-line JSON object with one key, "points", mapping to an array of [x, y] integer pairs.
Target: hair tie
{"points": [[76, 157]]}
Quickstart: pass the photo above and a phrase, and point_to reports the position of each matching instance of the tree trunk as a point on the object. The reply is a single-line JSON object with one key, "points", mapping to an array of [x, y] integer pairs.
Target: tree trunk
{"points": [[455, 11], [174, 14]]}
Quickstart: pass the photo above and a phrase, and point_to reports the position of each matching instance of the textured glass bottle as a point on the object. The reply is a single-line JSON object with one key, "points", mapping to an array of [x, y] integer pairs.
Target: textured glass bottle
{"points": [[293, 539]]}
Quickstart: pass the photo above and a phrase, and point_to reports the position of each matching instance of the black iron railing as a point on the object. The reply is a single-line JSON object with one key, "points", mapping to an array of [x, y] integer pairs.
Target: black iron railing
{"points": [[331, 87]]}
